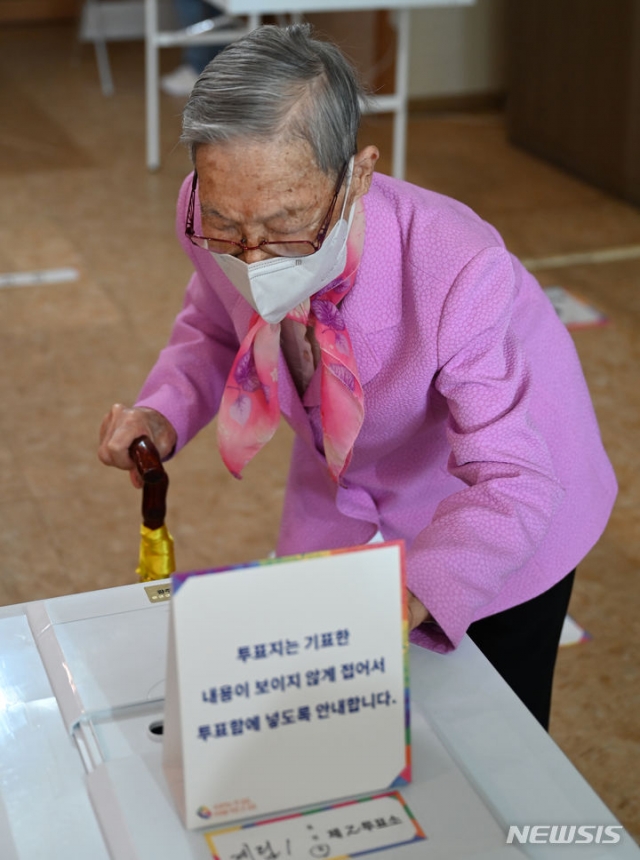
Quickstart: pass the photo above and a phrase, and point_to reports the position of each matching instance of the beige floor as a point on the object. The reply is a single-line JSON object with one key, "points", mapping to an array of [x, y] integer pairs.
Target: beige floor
{"points": [[74, 192]]}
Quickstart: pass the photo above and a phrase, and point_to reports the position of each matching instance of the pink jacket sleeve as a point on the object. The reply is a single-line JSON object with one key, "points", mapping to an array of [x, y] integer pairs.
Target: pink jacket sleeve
{"points": [[187, 381], [488, 530]]}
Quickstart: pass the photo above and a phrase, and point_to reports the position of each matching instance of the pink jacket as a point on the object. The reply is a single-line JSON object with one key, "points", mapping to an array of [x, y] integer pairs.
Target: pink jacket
{"points": [[479, 446]]}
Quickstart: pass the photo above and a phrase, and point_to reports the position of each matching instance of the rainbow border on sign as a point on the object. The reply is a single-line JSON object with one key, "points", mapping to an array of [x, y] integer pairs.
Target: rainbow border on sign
{"points": [[178, 580], [418, 836]]}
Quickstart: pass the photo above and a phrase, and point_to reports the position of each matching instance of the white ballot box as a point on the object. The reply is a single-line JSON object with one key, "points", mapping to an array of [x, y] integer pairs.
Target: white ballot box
{"points": [[82, 690]]}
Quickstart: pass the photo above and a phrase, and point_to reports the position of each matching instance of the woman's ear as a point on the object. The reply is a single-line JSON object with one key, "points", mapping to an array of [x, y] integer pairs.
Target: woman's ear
{"points": [[364, 164]]}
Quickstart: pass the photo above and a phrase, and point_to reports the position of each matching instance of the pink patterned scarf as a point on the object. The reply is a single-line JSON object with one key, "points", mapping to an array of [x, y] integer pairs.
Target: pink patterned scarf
{"points": [[250, 411]]}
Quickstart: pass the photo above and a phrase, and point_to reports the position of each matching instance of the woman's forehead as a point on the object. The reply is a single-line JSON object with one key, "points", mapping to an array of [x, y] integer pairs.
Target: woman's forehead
{"points": [[258, 168]]}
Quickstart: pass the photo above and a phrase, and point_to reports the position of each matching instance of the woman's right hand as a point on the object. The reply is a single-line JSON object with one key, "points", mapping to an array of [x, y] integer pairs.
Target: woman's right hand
{"points": [[122, 424]]}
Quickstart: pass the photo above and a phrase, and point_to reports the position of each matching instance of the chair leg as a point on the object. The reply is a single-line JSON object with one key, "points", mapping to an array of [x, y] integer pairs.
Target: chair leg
{"points": [[104, 67], [91, 28]]}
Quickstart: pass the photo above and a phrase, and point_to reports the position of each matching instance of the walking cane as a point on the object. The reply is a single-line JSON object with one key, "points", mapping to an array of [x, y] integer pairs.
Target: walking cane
{"points": [[156, 559]]}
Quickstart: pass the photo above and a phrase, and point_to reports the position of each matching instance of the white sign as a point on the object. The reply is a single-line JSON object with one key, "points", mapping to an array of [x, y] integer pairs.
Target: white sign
{"points": [[287, 684]]}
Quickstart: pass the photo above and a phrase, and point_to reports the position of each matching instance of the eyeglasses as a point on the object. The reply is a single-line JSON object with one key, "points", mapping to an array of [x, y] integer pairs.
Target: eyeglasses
{"points": [[294, 248]]}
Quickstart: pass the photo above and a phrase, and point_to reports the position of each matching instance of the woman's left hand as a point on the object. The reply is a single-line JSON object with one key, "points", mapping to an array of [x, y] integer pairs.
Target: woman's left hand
{"points": [[418, 612]]}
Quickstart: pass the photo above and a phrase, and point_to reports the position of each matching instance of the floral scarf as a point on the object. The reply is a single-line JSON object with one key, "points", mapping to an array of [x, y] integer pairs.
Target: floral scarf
{"points": [[250, 411]]}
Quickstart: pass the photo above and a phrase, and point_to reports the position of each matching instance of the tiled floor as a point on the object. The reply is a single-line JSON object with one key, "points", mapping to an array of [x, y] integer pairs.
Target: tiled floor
{"points": [[74, 192]]}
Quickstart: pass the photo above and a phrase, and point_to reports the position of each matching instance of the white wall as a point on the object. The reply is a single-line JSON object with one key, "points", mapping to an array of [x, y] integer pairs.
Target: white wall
{"points": [[458, 50]]}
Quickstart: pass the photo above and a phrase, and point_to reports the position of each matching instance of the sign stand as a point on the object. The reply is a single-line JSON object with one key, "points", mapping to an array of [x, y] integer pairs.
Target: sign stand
{"points": [[287, 684]]}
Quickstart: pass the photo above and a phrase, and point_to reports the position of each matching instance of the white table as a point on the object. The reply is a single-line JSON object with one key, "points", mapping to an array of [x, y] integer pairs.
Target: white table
{"points": [[395, 103], [481, 762]]}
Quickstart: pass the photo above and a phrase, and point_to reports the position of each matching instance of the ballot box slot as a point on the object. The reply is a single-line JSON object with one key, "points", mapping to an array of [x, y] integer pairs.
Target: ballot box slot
{"points": [[156, 728]]}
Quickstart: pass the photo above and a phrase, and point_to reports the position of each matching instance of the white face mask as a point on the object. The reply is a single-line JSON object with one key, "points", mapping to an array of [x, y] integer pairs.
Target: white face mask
{"points": [[275, 287]]}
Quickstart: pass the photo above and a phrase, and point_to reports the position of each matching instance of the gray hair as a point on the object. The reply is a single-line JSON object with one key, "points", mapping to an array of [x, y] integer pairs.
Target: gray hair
{"points": [[278, 81]]}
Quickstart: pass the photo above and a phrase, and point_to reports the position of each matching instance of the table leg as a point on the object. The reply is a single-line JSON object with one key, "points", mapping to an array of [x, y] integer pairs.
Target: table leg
{"points": [[151, 84], [403, 37]]}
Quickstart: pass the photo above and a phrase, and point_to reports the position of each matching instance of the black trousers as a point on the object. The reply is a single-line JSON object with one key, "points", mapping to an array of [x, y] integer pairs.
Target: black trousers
{"points": [[522, 645]]}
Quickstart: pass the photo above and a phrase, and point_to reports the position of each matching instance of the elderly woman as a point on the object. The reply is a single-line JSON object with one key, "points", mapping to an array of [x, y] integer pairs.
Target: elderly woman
{"points": [[434, 394]]}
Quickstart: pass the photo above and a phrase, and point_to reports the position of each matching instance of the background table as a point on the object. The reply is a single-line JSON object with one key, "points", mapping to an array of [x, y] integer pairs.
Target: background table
{"points": [[82, 678], [395, 103]]}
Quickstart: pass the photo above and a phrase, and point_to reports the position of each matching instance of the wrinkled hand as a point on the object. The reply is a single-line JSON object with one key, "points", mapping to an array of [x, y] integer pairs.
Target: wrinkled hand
{"points": [[121, 425], [418, 613]]}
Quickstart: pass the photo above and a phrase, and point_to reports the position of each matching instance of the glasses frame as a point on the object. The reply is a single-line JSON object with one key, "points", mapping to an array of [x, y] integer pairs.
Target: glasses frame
{"points": [[316, 243]]}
